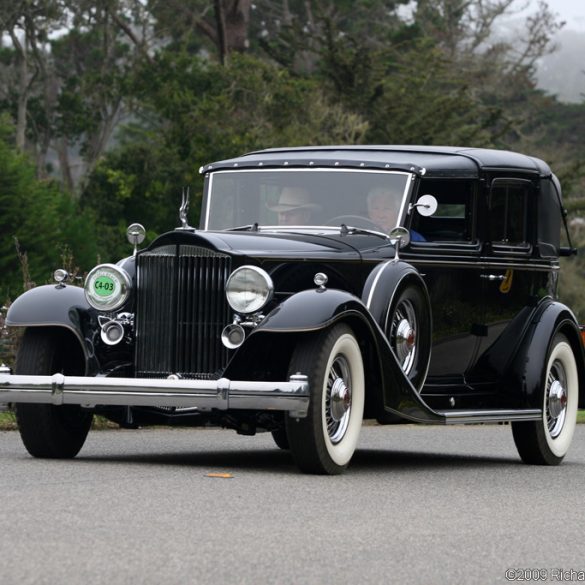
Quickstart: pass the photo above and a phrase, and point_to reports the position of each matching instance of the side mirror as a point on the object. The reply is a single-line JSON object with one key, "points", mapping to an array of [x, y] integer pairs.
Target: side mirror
{"points": [[426, 205]]}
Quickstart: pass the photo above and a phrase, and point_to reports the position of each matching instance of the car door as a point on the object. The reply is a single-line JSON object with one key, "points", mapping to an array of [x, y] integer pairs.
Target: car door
{"points": [[448, 259], [513, 276]]}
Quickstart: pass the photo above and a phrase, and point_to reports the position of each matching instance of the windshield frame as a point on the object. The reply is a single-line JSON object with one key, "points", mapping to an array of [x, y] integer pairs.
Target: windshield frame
{"points": [[208, 189]]}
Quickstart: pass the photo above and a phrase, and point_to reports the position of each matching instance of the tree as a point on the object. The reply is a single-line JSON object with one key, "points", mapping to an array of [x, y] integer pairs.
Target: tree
{"points": [[195, 112], [69, 88], [37, 219], [29, 24], [222, 24]]}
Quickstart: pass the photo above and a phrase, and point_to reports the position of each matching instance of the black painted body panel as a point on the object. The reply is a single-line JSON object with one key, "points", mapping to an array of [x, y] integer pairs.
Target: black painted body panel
{"points": [[493, 304]]}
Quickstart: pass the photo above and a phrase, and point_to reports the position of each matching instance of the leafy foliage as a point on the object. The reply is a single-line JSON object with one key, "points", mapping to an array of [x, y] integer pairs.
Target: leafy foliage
{"points": [[191, 112], [126, 105], [38, 218]]}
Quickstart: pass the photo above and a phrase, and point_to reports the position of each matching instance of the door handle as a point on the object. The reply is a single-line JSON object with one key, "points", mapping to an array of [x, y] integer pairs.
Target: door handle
{"points": [[492, 277]]}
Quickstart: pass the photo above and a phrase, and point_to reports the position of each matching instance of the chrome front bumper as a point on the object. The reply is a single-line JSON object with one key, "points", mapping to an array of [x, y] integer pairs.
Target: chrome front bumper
{"points": [[222, 394]]}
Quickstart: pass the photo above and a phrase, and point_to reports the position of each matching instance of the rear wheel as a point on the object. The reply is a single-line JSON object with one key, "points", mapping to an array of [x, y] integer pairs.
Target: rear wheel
{"points": [[324, 441], [47, 431], [546, 442]]}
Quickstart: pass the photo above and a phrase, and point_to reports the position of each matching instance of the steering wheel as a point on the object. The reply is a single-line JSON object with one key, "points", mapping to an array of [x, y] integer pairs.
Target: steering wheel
{"points": [[355, 220]]}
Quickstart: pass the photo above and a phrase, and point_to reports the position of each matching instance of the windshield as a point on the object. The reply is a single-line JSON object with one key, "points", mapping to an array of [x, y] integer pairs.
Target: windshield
{"points": [[305, 197]]}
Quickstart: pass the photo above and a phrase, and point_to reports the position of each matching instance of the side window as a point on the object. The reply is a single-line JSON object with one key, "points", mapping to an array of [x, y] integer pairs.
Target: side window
{"points": [[453, 220], [508, 213]]}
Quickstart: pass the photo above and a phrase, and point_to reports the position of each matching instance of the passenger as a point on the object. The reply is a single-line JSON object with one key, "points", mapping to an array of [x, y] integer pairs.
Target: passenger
{"points": [[294, 206]]}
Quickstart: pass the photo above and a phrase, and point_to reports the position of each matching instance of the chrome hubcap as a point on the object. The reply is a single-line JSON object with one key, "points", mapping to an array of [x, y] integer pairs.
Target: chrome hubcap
{"points": [[403, 335], [556, 399], [338, 399]]}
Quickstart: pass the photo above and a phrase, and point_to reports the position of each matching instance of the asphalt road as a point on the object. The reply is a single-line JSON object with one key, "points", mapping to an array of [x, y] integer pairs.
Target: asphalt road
{"points": [[419, 505]]}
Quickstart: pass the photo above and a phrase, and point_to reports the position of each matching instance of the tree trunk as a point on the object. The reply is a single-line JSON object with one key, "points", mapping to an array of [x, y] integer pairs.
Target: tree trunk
{"points": [[99, 141], [237, 22], [23, 90], [64, 164], [221, 31]]}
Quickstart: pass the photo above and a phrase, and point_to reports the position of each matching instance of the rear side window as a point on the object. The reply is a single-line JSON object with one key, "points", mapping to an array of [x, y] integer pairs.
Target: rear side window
{"points": [[508, 212]]}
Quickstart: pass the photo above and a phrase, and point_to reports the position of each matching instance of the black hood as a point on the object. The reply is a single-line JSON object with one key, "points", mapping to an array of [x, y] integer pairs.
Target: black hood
{"points": [[276, 245]]}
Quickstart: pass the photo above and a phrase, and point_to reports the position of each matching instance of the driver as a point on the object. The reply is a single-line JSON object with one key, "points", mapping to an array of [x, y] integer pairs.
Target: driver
{"points": [[383, 207], [294, 206]]}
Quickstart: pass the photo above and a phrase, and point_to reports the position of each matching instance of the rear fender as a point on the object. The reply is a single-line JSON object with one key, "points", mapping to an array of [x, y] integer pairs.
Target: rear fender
{"points": [[528, 369], [57, 306]]}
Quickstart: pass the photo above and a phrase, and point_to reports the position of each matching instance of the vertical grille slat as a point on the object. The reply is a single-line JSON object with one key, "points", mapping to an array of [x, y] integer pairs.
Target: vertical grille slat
{"points": [[180, 312]]}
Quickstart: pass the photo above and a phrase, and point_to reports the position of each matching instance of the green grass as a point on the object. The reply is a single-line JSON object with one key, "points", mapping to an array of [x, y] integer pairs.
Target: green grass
{"points": [[8, 422]]}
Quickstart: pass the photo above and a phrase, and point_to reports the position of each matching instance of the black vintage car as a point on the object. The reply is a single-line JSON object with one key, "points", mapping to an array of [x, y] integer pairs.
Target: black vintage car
{"points": [[324, 286]]}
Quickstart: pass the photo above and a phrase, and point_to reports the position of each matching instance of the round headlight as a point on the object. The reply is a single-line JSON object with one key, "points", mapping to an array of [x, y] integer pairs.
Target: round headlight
{"points": [[248, 289], [107, 287]]}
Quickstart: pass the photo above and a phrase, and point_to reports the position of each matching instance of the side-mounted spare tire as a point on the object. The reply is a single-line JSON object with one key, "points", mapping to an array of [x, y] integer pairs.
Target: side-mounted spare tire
{"points": [[408, 328], [47, 431]]}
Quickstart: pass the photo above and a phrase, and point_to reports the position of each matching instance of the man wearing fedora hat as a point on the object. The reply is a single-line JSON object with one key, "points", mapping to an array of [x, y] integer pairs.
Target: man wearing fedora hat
{"points": [[294, 206]]}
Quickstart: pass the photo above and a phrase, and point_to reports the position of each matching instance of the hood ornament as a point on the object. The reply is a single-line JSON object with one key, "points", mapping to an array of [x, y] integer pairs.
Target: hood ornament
{"points": [[184, 209]]}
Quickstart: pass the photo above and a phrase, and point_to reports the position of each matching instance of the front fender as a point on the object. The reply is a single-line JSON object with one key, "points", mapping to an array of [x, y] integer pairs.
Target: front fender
{"points": [[528, 368], [54, 306], [313, 310], [383, 283], [310, 310]]}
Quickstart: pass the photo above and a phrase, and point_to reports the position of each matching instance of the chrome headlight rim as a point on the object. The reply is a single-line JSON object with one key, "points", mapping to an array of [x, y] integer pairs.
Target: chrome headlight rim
{"points": [[120, 293], [263, 297]]}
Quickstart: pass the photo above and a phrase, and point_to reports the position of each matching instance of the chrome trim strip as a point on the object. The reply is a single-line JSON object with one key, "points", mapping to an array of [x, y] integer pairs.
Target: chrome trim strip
{"points": [[375, 283], [483, 265], [454, 417], [222, 394], [381, 171]]}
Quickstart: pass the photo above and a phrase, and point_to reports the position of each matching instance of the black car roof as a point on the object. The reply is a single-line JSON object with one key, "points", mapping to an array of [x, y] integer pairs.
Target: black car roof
{"points": [[432, 161]]}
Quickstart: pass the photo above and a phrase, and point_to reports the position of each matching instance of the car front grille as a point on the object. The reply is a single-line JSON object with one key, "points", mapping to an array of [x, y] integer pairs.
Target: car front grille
{"points": [[181, 311]]}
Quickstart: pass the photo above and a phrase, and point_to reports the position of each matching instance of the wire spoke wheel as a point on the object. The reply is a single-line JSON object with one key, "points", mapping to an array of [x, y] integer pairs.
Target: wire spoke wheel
{"points": [[324, 441], [408, 330], [555, 401], [338, 399], [546, 442], [403, 334]]}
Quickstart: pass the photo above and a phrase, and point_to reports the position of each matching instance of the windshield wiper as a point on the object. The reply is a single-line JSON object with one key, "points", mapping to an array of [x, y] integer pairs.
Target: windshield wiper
{"points": [[252, 227], [347, 230]]}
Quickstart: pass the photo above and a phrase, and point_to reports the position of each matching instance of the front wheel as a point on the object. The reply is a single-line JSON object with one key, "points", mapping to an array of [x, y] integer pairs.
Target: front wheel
{"points": [[324, 441], [47, 431], [546, 442]]}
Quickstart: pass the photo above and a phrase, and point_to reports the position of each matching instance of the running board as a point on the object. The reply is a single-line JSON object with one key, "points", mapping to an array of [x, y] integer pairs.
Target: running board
{"points": [[457, 417]]}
